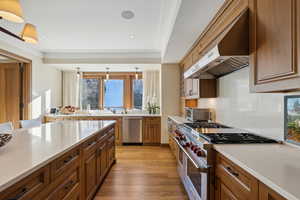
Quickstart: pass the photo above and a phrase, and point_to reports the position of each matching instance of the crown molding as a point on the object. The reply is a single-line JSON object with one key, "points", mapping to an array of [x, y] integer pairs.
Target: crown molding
{"points": [[126, 56]]}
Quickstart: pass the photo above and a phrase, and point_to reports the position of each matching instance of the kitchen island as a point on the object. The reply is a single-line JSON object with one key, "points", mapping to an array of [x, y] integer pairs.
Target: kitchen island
{"points": [[61, 160], [151, 123]]}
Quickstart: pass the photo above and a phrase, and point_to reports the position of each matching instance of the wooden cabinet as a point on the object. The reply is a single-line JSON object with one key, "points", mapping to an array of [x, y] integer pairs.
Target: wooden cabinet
{"points": [[274, 43], [90, 168], [75, 175], [28, 187], [224, 192], [266, 193], [200, 88], [233, 182], [151, 130], [101, 161]]}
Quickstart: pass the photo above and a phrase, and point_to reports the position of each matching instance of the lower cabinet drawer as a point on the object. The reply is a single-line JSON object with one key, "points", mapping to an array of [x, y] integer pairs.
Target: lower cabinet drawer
{"points": [[28, 187], [243, 185], [67, 188], [63, 188], [64, 163]]}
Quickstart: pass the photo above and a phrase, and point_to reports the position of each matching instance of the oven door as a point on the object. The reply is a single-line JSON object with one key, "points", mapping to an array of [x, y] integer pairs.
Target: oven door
{"points": [[194, 176]]}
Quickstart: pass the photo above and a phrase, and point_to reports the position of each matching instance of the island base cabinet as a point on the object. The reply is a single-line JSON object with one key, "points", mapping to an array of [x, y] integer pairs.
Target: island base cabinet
{"points": [[266, 193], [90, 174], [29, 187], [75, 175]]}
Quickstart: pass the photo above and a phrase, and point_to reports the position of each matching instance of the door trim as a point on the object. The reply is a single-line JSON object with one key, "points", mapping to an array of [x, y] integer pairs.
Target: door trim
{"points": [[26, 84]]}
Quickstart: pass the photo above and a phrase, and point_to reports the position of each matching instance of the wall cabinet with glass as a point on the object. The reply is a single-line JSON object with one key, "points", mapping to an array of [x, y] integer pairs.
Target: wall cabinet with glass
{"points": [[200, 88]]}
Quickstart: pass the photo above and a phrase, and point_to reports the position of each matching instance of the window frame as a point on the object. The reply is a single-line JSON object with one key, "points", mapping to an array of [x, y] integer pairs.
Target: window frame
{"points": [[127, 77]]}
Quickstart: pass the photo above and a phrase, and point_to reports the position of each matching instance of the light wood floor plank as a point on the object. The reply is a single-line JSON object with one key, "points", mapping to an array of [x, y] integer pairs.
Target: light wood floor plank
{"points": [[142, 173]]}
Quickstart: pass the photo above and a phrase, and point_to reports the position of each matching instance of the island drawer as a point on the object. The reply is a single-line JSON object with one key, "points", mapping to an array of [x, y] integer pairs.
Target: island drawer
{"points": [[66, 188], [29, 187], [89, 146], [64, 163], [242, 184]]}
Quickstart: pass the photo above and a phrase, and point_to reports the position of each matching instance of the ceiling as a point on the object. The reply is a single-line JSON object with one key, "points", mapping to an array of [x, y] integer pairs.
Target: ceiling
{"points": [[162, 31]]}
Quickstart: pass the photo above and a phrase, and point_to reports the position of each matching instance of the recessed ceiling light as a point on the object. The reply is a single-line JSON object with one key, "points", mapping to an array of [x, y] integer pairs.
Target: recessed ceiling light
{"points": [[127, 14], [131, 36]]}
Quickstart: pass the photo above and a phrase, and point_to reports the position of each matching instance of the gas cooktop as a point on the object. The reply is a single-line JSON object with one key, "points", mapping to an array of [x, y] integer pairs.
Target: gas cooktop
{"points": [[219, 134]]}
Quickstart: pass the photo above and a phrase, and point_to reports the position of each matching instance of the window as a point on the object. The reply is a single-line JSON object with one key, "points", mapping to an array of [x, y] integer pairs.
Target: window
{"points": [[113, 93], [121, 91], [138, 94], [90, 93]]}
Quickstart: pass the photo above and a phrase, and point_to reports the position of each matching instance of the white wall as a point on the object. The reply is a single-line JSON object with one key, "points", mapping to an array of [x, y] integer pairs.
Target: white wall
{"points": [[46, 81], [170, 96], [236, 106]]}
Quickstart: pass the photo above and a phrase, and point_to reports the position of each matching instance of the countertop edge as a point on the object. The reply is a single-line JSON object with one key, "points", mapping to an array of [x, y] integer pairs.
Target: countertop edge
{"points": [[258, 176], [48, 160]]}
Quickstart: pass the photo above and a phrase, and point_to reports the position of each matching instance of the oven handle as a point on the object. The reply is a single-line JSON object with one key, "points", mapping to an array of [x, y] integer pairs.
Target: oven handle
{"points": [[201, 169]]}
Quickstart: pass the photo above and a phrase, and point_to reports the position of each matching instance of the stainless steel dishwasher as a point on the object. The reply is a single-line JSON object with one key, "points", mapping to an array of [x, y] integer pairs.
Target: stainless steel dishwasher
{"points": [[132, 130]]}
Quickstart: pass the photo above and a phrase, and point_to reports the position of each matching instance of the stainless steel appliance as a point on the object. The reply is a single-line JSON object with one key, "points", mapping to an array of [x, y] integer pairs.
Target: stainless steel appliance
{"points": [[228, 53], [132, 130], [195, 141], [197, 114]]}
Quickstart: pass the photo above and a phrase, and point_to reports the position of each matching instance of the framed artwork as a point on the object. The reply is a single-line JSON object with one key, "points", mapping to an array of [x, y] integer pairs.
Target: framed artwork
{"points": [[292, 119]]}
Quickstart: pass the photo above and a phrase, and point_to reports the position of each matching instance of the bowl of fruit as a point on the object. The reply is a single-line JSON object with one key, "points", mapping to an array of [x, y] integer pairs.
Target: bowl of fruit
{"points": [[68, 110], [4, 138]]}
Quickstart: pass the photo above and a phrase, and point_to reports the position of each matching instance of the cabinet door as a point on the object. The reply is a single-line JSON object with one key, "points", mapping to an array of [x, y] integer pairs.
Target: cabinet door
{"points": [[90, 174], [266, 193], [151, 130], [195, 88], [188, 87], [101, 162], [225, 193], [274, 54]]}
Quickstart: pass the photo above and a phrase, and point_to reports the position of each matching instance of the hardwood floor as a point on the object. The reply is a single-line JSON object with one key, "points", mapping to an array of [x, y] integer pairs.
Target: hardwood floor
{"points": [[147, 173]]}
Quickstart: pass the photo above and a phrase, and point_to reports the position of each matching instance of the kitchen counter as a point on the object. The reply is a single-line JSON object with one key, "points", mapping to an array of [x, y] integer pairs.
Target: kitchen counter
{"points": [[178, 119], [30, 149], [103, 115], [275, 165]]}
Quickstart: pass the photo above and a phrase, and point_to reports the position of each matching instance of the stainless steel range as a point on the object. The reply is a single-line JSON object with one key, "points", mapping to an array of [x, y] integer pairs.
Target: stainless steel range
{"points": [[196, 155]]}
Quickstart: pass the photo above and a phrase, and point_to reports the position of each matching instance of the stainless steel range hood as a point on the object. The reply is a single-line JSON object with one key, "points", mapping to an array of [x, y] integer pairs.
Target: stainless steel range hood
{"points": [[228, 53]]}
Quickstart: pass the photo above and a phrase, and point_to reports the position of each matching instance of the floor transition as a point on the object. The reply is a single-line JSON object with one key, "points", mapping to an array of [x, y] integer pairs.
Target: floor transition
{"points": [[142, 173]]}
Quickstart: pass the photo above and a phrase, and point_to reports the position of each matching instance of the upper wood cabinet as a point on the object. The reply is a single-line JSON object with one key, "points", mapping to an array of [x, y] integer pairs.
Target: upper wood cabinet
{"points": [[200, 88], [274, 45]]}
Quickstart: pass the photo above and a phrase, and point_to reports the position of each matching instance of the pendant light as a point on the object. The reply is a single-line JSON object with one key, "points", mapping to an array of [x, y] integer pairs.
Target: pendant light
{"points": [[107, 73], [29, 34], [136, 73], [11, 10]]}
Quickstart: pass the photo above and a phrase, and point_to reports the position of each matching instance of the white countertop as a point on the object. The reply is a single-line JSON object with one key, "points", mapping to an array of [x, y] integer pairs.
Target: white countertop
{"points": [[178, 119], [32, 148], [275, 165], [103, 115]]}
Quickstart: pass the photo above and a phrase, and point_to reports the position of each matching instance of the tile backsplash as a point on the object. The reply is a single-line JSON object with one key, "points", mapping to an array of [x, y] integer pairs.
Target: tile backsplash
{"points": [[236, 106]]}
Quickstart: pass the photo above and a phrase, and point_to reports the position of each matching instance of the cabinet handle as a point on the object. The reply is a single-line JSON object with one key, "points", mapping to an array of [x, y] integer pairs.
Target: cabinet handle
{"points": [[18, 196], [69, 184], [232, 172], [68, 159]]}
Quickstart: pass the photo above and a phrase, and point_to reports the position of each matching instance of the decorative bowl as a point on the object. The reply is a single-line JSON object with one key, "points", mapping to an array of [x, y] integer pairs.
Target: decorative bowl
{"points": [[4, 138]]}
